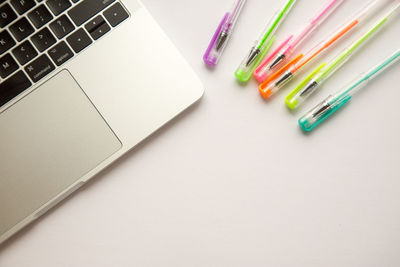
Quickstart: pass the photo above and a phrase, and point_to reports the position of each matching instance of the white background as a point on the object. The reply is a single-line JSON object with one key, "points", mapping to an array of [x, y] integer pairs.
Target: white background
{"points": [[233, 181]]}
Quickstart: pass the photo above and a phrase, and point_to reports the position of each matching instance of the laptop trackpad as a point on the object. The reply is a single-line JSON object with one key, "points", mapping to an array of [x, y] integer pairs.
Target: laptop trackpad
{"points": [[48, 141]]}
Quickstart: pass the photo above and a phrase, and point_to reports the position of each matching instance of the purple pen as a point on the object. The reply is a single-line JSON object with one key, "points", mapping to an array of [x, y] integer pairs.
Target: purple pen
{"points": [[223, 34]]}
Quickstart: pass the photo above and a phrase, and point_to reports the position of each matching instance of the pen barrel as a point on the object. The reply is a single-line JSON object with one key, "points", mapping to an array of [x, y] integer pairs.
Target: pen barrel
{"points": [[365, 12], [315, 22], [234, 15], [276, 21], [364, 78], [326, 11]]}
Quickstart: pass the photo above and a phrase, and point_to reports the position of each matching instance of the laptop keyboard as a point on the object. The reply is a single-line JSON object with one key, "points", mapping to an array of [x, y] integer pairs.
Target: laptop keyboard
{"points": [[37, 36]]}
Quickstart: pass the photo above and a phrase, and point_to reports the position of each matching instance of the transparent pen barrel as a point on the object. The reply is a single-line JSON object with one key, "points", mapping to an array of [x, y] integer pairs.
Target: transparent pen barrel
{"points": [[234, 15]]}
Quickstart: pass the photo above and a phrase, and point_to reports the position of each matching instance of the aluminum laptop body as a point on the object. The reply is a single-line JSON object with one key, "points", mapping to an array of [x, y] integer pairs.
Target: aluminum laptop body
{"points": [[82, 82]]}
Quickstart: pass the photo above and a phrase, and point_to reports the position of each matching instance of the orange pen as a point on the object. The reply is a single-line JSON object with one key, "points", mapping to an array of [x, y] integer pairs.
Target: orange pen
{"points": [[279, 79]]}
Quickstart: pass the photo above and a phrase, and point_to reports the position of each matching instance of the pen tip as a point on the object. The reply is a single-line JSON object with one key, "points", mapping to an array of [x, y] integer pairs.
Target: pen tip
{"points": [[221, 40], [277, 61], [252, 56]]}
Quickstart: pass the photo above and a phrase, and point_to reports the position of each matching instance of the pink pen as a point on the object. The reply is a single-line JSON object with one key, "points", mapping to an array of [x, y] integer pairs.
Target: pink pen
{"points": [[284, 51]]}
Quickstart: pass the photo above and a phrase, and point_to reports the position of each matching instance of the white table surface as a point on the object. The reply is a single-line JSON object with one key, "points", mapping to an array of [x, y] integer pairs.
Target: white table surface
{"points": [[233, 181]]}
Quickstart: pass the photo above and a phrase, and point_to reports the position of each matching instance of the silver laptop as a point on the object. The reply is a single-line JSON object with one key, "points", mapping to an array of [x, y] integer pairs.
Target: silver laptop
{"points": [[82, 82]]}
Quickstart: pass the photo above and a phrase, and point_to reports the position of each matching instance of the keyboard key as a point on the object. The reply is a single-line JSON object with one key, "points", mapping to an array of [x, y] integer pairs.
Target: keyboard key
{"points": [[23, 6], [116, 14], [7, 66], [75, 1], [40, 16], [100, 31], [43, 39], [94, 23], [87, 9], [24, 53], [62, 26], [60, 53], [97, 27], [21, 29], [39, 68], [79, 40], [12, 87], [6, 42], [7, 15], [59, 6]]}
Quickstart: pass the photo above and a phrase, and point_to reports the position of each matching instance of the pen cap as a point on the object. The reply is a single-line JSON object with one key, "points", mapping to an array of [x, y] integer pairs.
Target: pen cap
{"points": [[248, 65], [277, 80], [215, 49], [303, 90], [322, 112]]}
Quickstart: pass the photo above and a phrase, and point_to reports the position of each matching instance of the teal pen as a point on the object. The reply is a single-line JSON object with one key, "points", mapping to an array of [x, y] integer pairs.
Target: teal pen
{"points": [[334, 102]]}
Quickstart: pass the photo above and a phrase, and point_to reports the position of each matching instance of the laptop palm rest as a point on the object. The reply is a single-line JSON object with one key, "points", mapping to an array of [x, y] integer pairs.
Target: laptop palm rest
{"points": [[48, 141]]}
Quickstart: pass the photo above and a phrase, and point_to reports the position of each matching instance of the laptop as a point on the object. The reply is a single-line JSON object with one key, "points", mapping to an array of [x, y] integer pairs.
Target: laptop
{"points": [[81, 83]]}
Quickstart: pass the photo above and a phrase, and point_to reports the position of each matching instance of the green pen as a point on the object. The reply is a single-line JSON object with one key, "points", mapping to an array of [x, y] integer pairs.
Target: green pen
{"points": [[334, 102], [262, 45], [311, 83]]}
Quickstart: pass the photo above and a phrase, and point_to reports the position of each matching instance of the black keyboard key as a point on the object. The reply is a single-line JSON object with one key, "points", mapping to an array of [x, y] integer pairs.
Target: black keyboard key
{"points": [[7, 66], [79, 40], [62, 26], [75, 1], [7, 15], [22, 6], [24, 53], [39, 68], [60, 53], [43, 39], [94, 23], [100, 31], [21, 29], [13, 86], [40, 16], [2, 1], [87, 9], [116, 14], [97, 27], [6, 42], [59, 6]]}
